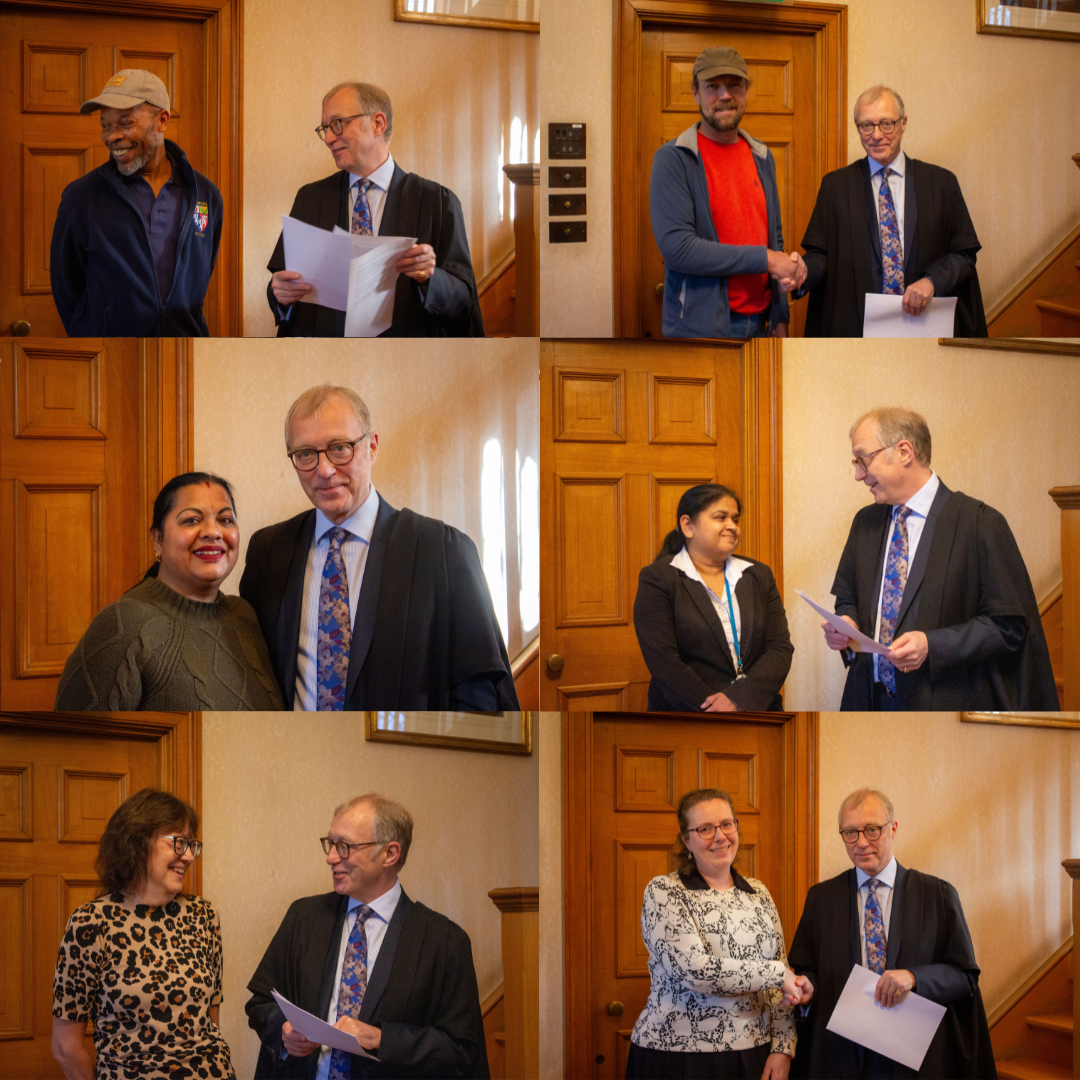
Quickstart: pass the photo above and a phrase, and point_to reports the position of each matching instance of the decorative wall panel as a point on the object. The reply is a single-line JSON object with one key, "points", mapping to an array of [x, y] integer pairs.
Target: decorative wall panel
{"points": [[47, 170], [58, 393], [589, 521], [15, 958], [590, 406], [644, 780], [734, 773], [16, 801], [666, 491], [681, 410], [161, 64], [86, 802], [54, 77], [636, 864]]}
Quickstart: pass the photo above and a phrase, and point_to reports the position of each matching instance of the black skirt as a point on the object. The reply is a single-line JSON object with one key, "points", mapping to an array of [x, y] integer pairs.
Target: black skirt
{"points": [[643, 1063]]}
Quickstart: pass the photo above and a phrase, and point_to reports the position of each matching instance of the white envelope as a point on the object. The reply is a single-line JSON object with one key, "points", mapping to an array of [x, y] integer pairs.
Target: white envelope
{"points": [[884, 316], [902, 1033], [319, 1031], [862, 642]]}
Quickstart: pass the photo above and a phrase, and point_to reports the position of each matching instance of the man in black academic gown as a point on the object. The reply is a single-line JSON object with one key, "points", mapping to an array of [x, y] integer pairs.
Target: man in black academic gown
{"points": [[367, 959], [372, 195], [364, 606], [906, 926], [937, 576], [913, 238]]}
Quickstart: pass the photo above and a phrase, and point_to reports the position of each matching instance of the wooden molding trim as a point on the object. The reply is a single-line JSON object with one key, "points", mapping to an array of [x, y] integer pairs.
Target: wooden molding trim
{"points": [[1050, 600], [1032, 980], [1067, 498], [525, 657], [1072, 868], [495, 272], [1057, 346], [492, 1000], [1030, 277], [527, 173], [762, 481], [519, 898]]}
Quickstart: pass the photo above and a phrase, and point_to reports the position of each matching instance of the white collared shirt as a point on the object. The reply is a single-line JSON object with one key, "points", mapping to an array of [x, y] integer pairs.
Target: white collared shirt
{"points": [[376, 194], [896, 186], [919, 504], [354, 549], [886, 878], [733, 570], [374, 931]]}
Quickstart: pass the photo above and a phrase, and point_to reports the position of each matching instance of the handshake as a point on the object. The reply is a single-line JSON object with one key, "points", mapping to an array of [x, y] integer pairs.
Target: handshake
{"points": [[788, 270], [797, 989]]}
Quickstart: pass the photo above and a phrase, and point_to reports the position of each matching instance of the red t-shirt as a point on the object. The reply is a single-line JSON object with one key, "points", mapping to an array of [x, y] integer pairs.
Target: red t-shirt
{"points": [[737, 205]]}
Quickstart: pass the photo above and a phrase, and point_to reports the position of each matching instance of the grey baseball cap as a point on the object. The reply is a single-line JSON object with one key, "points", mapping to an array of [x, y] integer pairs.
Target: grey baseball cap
{"points": [[129, 88], [720, 60]]}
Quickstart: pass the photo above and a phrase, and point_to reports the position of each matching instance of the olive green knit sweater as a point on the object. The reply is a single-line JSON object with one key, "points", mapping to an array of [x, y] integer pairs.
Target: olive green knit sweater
{"points": [[154, 649]]}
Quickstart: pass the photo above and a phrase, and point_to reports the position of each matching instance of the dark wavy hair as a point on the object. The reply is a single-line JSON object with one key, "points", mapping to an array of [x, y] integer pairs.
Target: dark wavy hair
{"points": [[125, 843], [692, 503], [686, 804], [166, 499]]}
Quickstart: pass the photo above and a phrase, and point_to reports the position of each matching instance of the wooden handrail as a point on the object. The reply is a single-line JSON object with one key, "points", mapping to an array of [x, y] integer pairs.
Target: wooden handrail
{"points": [[1068, 501], [1072, 868], [526, 180]]}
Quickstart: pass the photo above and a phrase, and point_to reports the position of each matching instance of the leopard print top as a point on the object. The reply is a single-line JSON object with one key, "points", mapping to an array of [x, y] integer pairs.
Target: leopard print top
{"points": [[147, 978]]}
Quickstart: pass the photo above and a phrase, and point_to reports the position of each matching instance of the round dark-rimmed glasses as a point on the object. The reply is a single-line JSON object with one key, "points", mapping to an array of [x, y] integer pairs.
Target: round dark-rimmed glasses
{"points": [[871, 832], [336, 126], [180, 844], [341, 847], [337, 453], [863, 462], [728, 828], [866, 128]]}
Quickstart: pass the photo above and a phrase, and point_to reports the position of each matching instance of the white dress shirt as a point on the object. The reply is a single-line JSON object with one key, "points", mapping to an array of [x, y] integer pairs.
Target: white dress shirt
{"points": [[354, 549], [919, 504], [733, 570], [896, 186], [376, 194], [374, 931], [886, 887]]}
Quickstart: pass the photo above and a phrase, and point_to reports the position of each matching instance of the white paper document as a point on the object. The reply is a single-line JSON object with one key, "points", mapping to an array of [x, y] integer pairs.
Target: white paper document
{"points": [[319, 1031], [902, 1033], [861, 643], [884, 316], [322, 259]]}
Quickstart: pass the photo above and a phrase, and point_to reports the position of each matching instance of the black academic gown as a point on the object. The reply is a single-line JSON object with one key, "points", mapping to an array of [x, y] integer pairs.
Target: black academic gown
{"points": [[928, 937], [421, 993], [843, 248], [685, 647], [967, 571], [424, 635], [446, 306]]}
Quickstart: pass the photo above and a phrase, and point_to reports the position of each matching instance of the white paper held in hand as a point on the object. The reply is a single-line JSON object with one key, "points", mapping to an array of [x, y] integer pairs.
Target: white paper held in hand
{"points": [[322, 259], [862, 642], [884, 316], [902, 1033], [319, 1031]]}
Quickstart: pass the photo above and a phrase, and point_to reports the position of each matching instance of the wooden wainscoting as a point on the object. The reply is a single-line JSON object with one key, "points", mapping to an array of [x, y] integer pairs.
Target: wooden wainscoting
{"points": [[497, 297]]}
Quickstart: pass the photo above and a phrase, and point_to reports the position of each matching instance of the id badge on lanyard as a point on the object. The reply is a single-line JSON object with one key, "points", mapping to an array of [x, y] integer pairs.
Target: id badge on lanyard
{"points": [[739, 673]]}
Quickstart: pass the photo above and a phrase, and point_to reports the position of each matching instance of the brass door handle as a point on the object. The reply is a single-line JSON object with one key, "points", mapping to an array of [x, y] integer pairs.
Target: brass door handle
{"points": [[20, 328], [555, 662], [615, 1008], [659, 290]]}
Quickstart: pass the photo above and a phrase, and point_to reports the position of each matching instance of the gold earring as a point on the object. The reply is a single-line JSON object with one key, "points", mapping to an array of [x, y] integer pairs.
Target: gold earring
{"points": [[158, 557]]}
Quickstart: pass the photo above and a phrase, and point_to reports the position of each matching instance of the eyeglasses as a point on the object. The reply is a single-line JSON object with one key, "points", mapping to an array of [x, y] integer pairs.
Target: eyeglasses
{"points": [[337, 125], [728, 828], [342, 848], [885, 126], [338, 453], [871, 832], [180, 844], [864, 461]]}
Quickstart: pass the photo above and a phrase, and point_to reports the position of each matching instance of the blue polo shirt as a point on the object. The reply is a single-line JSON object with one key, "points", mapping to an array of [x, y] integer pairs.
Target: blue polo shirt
{"points": [[162, 218]]}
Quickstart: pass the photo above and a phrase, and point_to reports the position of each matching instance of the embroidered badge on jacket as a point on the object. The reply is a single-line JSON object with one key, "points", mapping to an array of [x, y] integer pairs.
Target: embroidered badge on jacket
{"points": [[202, 216]]}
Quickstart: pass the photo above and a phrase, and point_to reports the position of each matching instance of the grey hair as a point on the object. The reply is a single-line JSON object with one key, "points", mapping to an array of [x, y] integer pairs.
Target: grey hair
{"points": [[857, 798], [312, 401], [369, 99], [875, 92], [894, 424], [391, 821]]}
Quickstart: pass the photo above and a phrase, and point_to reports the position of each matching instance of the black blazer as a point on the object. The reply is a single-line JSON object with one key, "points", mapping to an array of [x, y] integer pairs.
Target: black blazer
{"points": [[421, 993], [685, 647], [929, 937], [446, 306], [425, 635]]}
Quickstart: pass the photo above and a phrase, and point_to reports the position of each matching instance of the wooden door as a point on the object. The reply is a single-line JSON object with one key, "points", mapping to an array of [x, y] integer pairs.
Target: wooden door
{"points": [[625, 777], [90, 430], [795, 106], [626, 428], [53, 60], [60, 780]]}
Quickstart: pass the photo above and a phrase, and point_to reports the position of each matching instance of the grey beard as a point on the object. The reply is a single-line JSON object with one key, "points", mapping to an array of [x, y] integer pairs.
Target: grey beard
{"points": [[136, 165], [724, 122]]}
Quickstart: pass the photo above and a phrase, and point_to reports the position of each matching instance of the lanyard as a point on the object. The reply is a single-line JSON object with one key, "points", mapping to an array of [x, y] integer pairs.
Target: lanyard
{"points": [[734, 629]]}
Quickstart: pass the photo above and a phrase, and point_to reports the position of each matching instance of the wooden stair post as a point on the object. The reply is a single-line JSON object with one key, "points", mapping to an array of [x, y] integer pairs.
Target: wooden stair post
{"points": [[1068, 500], [520, 909], [1072, 868], [526, 181]]}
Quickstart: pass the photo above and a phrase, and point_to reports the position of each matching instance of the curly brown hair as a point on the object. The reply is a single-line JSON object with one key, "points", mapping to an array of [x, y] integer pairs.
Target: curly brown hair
{"points": [[686, 804], [125, 843]]}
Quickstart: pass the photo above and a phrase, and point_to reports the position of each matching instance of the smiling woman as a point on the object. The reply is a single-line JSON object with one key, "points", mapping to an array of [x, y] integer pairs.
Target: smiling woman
{"points": [[175, 642]]}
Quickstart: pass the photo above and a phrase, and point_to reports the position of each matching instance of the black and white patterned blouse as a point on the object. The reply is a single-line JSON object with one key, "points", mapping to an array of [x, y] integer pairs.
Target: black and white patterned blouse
{"points": [[716, 960]]}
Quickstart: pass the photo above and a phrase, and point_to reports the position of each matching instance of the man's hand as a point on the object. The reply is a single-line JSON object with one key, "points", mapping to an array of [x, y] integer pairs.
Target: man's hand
{"points": [[917, 295], [418, 262], [295, 1044], [788, 270], [776, 1067], [805, 988], [893, 987], [781, 330], [790, 989], [834, 638], [367, 1036], [288, 287], [719, 702], [908, 651]]}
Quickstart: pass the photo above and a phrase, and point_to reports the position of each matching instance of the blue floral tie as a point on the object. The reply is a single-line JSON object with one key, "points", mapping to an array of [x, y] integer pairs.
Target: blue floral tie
{"points": [[361, 212], [892, 253], [335, 627], [896, 571], [353, 986], [875, 930]]}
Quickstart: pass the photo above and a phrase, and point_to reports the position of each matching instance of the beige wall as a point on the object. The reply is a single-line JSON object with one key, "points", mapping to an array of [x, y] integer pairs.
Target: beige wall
{"points": [[1000, 112], [435, 404], [1003, 425], [270, 785], [551, 898], [993, 810], [456, 92]]}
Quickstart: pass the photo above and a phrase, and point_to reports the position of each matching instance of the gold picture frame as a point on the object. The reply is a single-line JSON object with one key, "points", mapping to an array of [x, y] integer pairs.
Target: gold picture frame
{"points": [[479, 14], [1024, 719], [489, 733], [1028, 18]]}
